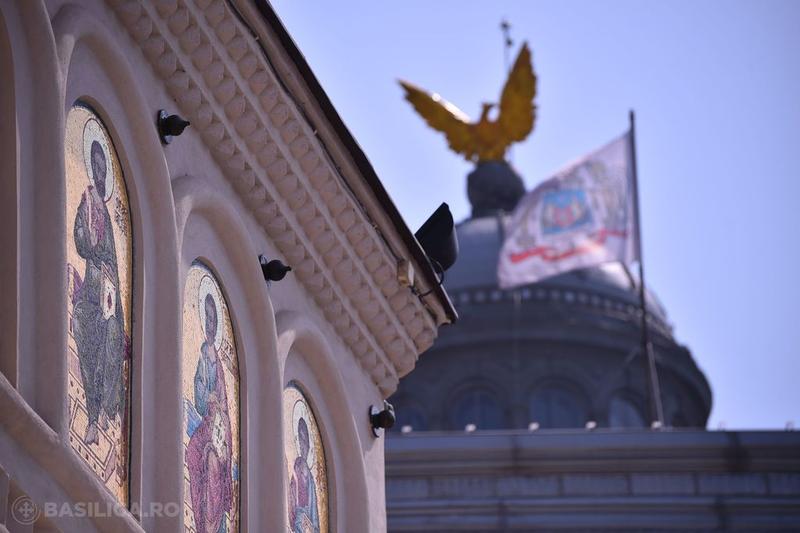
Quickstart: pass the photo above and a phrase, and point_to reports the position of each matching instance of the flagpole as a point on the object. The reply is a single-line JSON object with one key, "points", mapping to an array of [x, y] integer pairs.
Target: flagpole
{"points": [[653, 388]]}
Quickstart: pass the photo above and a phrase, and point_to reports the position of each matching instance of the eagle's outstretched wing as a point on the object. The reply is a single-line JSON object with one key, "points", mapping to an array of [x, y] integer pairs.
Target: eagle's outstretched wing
{"points": [[517, 110], [443, 116]]}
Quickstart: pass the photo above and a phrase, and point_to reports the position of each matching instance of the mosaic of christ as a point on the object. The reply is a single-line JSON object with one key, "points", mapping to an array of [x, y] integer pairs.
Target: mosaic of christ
{"points": [[307, 496], [99, 272], [211, 408]]}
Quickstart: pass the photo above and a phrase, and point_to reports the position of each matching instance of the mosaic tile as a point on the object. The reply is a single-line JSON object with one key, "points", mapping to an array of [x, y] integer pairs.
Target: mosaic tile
{"points": [[211, 408], [99, 279]]}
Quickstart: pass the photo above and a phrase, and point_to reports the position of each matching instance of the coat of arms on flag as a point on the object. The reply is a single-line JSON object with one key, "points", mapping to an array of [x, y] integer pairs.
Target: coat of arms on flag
{"points": [[564, 210], [582, 216]]}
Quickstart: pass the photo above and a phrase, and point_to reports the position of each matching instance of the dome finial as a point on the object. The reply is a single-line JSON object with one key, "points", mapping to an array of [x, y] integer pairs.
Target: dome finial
{"points": [[493, 187]]}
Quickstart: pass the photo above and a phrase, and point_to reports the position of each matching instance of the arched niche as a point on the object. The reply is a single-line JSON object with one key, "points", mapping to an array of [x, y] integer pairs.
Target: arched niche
{"points": [[475, 401], [626, 409], [9, 188], [211, 231], [558, 403], [309, 364], [32, 169], [306, 463], [51, 79], [410, 412], [95, 70], [99, 270], [682, 402], [211, 429]]}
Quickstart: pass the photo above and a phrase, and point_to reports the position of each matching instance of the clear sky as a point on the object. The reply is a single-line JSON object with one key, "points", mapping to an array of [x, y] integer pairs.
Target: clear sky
{"points": [[716, 90]]}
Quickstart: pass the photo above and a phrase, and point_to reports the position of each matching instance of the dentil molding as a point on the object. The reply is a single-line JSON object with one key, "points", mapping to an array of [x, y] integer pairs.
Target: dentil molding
{"points": [[215, 69]]}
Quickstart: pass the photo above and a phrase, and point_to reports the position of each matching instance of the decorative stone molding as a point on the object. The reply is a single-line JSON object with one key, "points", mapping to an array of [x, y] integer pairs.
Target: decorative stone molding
{"points": [[609, 306], [578, 451], [36, 453], [611, 479], [215, 69]]}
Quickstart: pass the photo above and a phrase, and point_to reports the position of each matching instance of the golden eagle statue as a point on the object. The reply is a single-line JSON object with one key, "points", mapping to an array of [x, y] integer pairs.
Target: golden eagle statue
{"points": [[486, 139]]}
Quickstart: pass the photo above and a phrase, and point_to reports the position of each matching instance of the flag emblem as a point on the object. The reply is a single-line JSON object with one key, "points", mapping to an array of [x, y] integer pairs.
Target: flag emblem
{"points": [[565, 210]]}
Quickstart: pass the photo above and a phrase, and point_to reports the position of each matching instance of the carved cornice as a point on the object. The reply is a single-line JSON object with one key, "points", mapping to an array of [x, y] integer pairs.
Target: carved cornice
{"points": [[224, 84]]}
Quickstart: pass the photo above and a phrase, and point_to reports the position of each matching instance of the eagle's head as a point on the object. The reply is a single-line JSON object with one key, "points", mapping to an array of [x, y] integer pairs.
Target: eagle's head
{"points": [[485, 108]]}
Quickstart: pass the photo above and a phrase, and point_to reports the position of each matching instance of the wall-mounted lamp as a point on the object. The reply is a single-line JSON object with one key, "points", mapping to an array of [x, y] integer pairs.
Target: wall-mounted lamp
{"points": [[169, 126], [273, 270], [439, 241], [437, 236], [381, 419]]}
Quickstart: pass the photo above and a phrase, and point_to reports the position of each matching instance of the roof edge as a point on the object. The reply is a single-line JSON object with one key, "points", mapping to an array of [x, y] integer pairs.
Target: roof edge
{"points": [[356, 155]]}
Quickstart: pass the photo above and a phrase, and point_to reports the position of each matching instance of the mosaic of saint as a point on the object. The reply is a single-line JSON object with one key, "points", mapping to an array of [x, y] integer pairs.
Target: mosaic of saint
{"points": [[99, 271], [211, 408], [305, 464]]}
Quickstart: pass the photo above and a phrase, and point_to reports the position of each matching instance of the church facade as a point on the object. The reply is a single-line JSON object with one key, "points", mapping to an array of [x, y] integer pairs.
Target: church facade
{"points": [[162, 162]]}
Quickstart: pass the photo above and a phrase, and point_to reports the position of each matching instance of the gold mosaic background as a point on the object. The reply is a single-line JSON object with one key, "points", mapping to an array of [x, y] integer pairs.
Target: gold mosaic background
{"points": [[201, 281], [296, 407], [108, 455]]}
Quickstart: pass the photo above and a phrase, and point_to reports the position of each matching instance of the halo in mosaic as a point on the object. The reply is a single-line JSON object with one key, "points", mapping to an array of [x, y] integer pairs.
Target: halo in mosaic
{"points": [[99, 279], [307, 485], [211, 460]]}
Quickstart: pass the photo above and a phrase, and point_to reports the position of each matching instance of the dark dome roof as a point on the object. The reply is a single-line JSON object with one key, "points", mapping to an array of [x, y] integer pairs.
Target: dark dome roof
{"points": [[558, 352], [494, 186], [479, 241]]}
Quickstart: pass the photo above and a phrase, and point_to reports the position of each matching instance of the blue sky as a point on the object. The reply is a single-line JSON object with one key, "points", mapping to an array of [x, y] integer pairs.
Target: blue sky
{"points": [[716, 90]]}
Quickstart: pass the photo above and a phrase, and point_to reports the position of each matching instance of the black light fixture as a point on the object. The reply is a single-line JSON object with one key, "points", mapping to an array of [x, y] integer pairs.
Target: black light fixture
{"points": [[273, 270], [381, 420], [437, 236], [169, 126]]}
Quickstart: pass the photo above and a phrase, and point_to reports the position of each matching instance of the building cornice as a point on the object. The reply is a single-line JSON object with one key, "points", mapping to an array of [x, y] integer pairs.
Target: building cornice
{"points": [[444, 453], [609, 480], [215, 68]]}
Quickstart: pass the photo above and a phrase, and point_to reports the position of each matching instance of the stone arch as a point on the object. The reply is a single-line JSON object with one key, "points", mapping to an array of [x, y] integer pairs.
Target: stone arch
{"points": [[38, 156], [99, 302], [8, 209], [309, 361], [210, 399], [558, 402], [211, 230], [409, 411], [465, 395], [626, 409], [96, 71], [683, 399]]}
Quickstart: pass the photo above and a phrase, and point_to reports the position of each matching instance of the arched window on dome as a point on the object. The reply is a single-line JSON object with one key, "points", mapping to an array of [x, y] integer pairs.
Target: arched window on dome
{"points": [[623, 412], [674, 414], [558, 405], [476, 405], [411, 416]]}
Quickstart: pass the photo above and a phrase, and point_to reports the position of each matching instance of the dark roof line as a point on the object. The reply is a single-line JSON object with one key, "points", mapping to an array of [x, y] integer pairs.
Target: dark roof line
{"points": [[355, 152]]}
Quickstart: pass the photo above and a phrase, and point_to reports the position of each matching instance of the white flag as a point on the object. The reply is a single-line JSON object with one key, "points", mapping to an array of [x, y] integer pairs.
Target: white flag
{"points": [[581, 217]]}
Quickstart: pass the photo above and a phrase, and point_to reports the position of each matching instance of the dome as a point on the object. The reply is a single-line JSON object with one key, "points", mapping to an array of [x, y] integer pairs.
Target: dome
{"points": [[559, 353]]}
